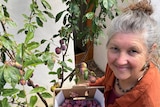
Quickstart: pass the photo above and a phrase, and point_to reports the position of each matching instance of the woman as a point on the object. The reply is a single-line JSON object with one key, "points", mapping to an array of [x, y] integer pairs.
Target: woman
{"points": [[132, 77]]}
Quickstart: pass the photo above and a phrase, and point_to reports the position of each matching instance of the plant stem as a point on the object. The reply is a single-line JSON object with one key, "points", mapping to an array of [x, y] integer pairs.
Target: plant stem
{"points": [[43, 100], [63, 59], [3, 26]]}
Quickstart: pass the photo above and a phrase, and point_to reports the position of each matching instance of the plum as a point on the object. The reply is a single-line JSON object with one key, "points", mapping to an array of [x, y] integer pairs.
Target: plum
{"points": [[76, 105], [30, 83], [69, 105], [83, 65], [67, 101], [92, 79], [84, 103], [94, 102], [22, 81], [80, 103], [58, 50], [21, 72], [64, 104], [98, 105], [61, 41], [63, 47]]}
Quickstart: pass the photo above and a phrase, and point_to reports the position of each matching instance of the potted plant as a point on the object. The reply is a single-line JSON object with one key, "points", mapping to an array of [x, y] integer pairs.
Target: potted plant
{"points": [[93, 23]]}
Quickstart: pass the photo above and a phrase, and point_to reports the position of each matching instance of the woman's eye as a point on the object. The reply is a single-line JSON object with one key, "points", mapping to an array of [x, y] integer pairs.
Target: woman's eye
{"points": [[114, 49], [133, 51]]}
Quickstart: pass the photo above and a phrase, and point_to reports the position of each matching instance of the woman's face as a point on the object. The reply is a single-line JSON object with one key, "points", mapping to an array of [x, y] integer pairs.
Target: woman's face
{"points": [[127, 54]]}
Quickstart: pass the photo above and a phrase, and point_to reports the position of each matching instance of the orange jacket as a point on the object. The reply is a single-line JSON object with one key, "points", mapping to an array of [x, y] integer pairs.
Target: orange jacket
{"points": [[145, 94]]}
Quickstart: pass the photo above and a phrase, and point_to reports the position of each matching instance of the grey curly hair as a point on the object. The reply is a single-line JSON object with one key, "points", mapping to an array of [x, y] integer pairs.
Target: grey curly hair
{"points": [[138, 21]]}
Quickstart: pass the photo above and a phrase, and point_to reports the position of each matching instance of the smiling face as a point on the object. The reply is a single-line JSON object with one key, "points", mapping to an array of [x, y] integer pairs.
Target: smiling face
{"points": [[127, 54]]}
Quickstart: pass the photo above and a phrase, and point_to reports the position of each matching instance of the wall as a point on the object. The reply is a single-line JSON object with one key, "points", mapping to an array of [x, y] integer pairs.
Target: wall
{"points": [[100, 50]]}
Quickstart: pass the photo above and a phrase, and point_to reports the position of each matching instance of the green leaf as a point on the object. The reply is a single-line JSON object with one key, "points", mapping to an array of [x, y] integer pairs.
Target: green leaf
{"points": [[29, 36], [53, 81], [33, 101], [9, 92], [11, 75], [54, 36], [68, 68], [33, 45], [21, 94], [47, 48], [71, 77], [43, 41], [46, 56], [2, 81], [28, 74], [59, 70], [45, 4], [86, 74], [39, 22], [65, 19], [76, 79], [41, 16], [20, 30], [46, 95], [49, 14], [32, 61], [111, 3], [90, 15], [37, 89], [30, 27], [63, 63], [50, 63], [25, 16], [10, 22], [69, 60], [20, 50], [6, 14], [53, 73], [58, 16], [7, 43], [3, 57], [122, 0], [4, 103], [6, 1], [105, 4]]}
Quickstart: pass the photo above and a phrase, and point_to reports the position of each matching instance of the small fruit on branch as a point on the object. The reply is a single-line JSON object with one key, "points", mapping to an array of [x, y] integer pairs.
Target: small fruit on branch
{"points": [[14, 64], [21, 72], [17, 65], [30, 83], [58, 50], [92, 79], [83, 65], [63, 47], [61, 41], [56, 85], [22, 81]]}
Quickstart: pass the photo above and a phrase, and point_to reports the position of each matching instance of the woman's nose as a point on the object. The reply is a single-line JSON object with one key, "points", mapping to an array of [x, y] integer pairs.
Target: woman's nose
{"points": [[122, 59]]}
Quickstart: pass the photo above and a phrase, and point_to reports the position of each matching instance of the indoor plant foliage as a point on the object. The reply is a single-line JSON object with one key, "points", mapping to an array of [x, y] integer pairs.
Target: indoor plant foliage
{"points": [[18, 60], [82, 13]]}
